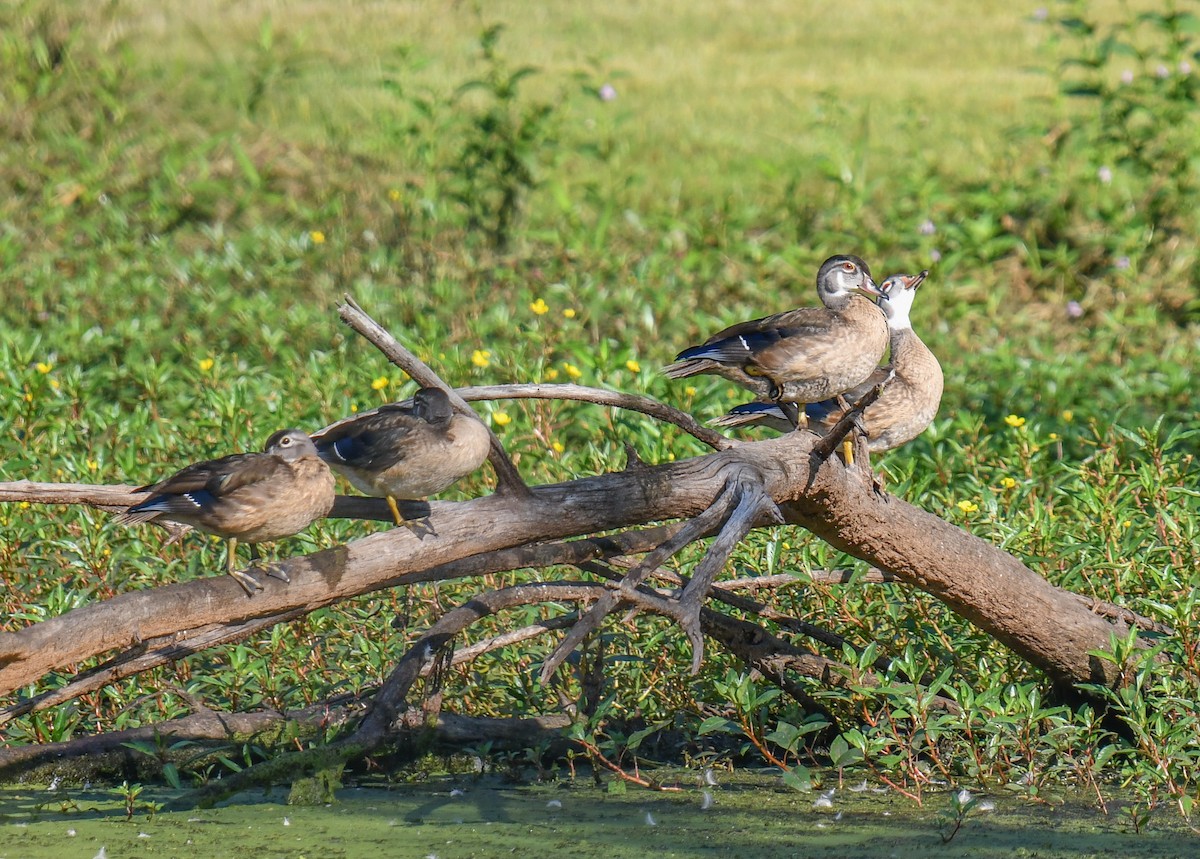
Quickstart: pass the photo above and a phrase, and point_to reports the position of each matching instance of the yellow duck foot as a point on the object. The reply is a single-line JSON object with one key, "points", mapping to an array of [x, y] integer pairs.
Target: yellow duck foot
{"points": [[273, 570], [249, 584], [421, 527]]}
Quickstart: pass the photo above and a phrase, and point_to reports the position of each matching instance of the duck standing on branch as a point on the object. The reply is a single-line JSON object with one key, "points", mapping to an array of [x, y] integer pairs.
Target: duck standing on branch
{"points": [[405, 452], [803, 355], [247, 497], [912, 383]]}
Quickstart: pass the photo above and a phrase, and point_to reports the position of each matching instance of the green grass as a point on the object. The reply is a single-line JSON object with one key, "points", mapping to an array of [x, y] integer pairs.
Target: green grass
{"points": [[203, 183]]}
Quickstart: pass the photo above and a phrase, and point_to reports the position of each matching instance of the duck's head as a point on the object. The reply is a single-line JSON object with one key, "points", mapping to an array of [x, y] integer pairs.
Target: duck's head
{"points": [[840, 275], [432, 405], [291, 444], [896, 297]]}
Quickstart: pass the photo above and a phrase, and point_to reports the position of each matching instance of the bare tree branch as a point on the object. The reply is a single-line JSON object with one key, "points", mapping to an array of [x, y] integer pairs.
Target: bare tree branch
{"points": [[509, 479], [602, 397]]}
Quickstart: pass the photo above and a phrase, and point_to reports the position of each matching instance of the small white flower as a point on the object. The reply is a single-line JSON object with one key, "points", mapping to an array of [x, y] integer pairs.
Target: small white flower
{"points": [[1162, 72], [1105, 175], [70, 833], [608, 93], [1127, 77], [1185, 68]]}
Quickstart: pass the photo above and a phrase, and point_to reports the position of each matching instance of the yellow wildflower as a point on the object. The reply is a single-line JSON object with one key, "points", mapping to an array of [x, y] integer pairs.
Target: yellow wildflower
{"points": [[501, 419], [573, 371], [317, 237], [558, 447], [633, 366], [967, 506], [379, 384], [394, 195], [481, 357], [54, 384], [1007, 483], [539, 307], [353, 408], [569, 313], [43, 367], [552, 374], [92, 465], [1053, 436], [1015, 421], [689, 391], [1068, 416], [205, 364]]}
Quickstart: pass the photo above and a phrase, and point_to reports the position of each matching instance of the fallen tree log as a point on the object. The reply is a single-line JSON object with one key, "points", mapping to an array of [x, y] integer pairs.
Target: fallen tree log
{"points": [[1046, 626], [792, 479]]}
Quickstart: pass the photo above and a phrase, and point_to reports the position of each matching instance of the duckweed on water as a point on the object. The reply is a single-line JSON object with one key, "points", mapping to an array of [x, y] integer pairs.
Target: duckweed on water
{"points": [[746, 815]]}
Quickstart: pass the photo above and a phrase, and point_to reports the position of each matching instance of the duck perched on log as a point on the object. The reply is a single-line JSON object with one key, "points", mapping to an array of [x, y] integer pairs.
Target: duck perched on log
{"points": [[912, 383], [405, 451], [804, 355], [247, 497]]}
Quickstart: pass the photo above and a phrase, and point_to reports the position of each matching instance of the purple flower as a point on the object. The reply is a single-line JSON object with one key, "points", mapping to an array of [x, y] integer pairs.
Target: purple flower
{"points": [[608, 92], [1074, 309], [1185, 68], [1127, 77], [935, 255], [927, 228], [1162, 71], [1105, 175], [1040, 13], [1122, 262]]}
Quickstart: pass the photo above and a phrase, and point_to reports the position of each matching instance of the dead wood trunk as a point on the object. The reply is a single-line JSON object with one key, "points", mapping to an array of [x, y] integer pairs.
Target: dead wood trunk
{"points": [[1046, 626]]}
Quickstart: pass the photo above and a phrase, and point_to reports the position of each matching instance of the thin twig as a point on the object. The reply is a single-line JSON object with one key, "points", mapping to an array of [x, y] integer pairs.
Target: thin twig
{"points": [[848, 421], [602, 397]]}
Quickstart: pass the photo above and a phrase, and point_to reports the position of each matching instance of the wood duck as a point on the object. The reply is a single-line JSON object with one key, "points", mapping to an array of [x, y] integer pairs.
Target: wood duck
{"points": [[247, 497], [909, 400], [804, 355], [405, 452]]}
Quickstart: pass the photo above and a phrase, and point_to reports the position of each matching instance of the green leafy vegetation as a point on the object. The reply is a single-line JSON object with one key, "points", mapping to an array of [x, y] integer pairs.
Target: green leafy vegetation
{"points": [[183, 202]]}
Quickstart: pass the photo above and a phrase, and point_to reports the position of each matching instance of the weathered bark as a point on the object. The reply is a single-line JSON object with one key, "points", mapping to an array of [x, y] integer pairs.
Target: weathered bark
{"points": [[1046, 626]]}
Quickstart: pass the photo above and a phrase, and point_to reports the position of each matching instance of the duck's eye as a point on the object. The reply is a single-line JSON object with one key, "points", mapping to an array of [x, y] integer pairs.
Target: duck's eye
{"points": [[849, 266], [285, 441]]}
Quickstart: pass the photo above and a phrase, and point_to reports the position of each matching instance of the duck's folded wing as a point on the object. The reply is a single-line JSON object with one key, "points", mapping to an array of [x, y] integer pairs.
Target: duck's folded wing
{"points": [[374, 442]]}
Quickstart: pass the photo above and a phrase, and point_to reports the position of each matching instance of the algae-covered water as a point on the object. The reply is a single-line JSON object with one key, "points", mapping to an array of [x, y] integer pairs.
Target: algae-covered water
{"points": [[743, 816]]}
